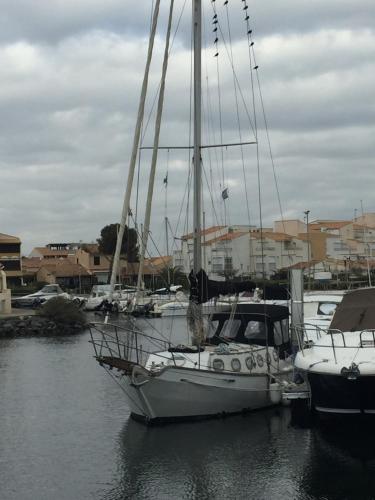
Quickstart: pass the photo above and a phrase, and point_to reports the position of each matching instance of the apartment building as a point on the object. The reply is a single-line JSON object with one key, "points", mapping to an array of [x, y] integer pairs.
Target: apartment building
{"points": [[245, 251], [10, 258]]}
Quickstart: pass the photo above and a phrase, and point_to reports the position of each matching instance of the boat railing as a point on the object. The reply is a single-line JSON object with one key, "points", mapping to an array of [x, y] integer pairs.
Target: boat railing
{"points": [[305, 340], [307, 334], [130, 344], [367, 342]]}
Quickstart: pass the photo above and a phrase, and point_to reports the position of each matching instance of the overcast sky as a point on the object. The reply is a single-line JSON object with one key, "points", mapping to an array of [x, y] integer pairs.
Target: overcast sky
{"points": [[70, 77]]}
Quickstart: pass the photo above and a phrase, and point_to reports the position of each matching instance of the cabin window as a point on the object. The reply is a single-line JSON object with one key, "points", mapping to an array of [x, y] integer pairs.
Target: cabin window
{"points": [[281, 332], [255, 330], [327, 308], [230, 328], [218, 364], [250, 362], [236, 365]]}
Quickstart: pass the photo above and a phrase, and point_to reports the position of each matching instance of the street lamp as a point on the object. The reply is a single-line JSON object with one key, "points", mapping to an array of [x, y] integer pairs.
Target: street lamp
{"points": [[306, 212]]}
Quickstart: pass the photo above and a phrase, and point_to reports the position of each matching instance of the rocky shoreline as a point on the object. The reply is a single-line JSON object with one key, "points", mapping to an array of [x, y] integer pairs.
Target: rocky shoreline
{"points": [[35, 325]]}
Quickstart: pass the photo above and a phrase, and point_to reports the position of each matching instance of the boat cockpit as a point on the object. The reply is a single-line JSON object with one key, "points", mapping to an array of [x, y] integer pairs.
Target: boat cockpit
{"points": [[260, 324]]}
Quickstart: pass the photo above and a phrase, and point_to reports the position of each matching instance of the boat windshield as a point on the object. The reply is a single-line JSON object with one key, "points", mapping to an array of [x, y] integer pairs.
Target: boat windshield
{"points": [[255, 330], [51, 289], [327, 308], [281, 331], [230, 328]]}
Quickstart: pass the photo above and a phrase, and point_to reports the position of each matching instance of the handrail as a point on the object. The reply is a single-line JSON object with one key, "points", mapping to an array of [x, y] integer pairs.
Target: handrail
{"points": [[362, 341], [302, 335], [110, 343]]}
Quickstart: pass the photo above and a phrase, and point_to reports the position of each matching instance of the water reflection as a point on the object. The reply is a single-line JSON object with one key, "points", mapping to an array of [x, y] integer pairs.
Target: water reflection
{"points": [[341, 461], [240, 457]]}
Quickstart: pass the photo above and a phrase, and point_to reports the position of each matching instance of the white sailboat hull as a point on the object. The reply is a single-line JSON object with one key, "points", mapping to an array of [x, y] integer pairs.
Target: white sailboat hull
{"points": [[183, 393]]}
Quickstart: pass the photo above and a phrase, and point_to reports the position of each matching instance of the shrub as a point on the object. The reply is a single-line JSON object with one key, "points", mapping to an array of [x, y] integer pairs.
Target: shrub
{"points": [[62, 310]]}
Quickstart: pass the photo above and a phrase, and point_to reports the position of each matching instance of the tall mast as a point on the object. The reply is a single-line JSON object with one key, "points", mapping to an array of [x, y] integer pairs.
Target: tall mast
{"points": [[197, 36]]}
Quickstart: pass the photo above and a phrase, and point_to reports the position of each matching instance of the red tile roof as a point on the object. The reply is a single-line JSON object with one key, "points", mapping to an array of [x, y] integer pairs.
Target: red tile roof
{"points": [[226, 237], [203, 233]]}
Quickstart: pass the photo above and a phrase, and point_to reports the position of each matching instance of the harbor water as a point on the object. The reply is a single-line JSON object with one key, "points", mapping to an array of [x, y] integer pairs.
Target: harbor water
{"points": [[65, 433]]}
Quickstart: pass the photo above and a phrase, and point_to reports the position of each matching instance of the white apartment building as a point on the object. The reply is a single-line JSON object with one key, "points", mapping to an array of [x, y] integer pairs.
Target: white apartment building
{"points": [[243, 251]]}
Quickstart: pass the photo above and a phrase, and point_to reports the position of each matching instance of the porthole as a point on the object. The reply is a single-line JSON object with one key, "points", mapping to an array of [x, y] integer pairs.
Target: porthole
{"points": [[218, 364], [250, 362], [260, 360], [236, 365]]}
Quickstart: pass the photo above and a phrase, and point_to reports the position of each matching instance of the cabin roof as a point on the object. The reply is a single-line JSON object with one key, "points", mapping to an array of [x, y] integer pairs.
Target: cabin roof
{"points": [[356, 312]]}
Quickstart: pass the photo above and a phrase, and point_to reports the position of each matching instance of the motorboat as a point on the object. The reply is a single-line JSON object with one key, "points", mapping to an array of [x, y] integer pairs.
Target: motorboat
{"points": [[180, 307], [242, 365], [38, 298], [339, 367], [101, 293], [318, 309]]}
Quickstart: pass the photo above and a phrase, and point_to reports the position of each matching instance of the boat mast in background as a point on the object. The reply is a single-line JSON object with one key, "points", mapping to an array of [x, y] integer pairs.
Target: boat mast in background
{"points": [[133, 158]]}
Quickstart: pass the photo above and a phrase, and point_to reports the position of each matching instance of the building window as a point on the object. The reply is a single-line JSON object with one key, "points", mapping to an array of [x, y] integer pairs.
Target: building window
{"points": [[228, 263], [11, 265], [96, 260], [9, 248]]}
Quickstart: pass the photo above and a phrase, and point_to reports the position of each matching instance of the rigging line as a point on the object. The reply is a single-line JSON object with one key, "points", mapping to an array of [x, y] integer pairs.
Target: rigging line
{"points": [[252, 57], [268, 140], [211, 197], [149, 255], [205, 146], [210, 129], [181, 207], [250, 44], [190, 175], [237, 112], [219, 98], [238, 84]]}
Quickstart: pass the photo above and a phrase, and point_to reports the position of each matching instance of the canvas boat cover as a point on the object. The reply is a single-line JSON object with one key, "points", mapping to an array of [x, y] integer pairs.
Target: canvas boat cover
{"points": [[356, 312], [203, 289]]}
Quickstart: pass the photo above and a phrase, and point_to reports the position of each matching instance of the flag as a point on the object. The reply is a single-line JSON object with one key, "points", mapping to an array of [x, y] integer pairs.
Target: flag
{"points": [[225, 194], [165, 180]]}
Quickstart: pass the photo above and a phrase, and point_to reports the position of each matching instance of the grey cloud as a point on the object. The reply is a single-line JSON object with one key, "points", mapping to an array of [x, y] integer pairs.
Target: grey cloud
{"points": [[71, 76]]}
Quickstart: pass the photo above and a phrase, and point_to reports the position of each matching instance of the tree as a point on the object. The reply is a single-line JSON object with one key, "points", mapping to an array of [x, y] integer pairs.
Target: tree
{"points": [[176, 277], [129, 246]]}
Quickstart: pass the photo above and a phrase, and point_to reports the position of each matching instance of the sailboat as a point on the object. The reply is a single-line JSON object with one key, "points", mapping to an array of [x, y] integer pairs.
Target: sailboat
{"points": [[236, 362]]}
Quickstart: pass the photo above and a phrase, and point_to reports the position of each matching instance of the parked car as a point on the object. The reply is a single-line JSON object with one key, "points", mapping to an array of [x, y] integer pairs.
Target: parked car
{"points": [[38, 298]]}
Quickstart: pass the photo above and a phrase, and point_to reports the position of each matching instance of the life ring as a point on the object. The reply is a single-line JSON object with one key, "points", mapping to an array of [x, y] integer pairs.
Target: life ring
{"points": [[136, 372]]}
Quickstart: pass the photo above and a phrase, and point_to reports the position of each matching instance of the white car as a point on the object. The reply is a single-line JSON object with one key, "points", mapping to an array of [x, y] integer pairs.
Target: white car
{"points": [[38, 298]]}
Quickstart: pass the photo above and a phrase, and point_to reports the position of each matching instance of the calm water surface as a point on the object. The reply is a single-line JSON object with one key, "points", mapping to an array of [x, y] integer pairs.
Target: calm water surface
{"points": [[65, 433]]}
